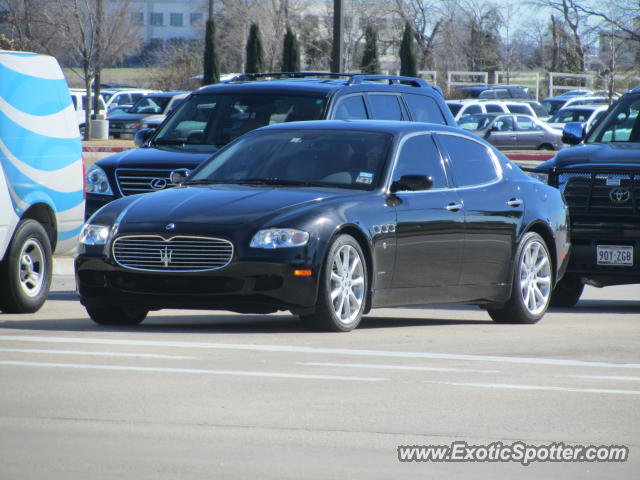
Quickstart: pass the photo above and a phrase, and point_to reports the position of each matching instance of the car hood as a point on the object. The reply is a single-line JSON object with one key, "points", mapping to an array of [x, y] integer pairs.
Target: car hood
{"points": [[154, 158], [220, 205], [127, 117], [604, 154]]}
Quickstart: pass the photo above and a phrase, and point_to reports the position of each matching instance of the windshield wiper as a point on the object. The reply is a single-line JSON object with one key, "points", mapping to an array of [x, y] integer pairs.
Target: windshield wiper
{"points": [[281, 181]]}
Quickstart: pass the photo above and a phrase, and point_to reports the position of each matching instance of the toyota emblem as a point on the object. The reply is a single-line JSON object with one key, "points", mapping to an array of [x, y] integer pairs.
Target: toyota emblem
{"points": [[158, 183], [620, 195]]}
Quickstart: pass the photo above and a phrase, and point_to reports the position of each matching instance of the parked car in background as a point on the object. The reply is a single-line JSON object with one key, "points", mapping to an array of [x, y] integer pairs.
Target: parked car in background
{"points": [[152, 106], [460, 108], [79, 100], [553, 104], [587, 114], [497, 92], [41, 177], [513, 131], [217, 114], [600, 179], [329, 219], [116, 97]]}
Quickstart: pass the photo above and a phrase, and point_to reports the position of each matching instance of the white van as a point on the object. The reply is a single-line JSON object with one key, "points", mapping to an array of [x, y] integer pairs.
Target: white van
{"points": [[41, 177]]}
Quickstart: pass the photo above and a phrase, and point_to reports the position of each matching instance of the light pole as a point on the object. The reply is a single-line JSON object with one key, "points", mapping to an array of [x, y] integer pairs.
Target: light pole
{"points": [[338, 42]]}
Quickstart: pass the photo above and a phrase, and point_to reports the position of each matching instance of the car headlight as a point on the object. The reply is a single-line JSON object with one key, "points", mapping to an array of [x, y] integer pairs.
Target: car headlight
{"points": [[543, 177], [94, 234], [132, 125], [97, 181], [279, 238]]}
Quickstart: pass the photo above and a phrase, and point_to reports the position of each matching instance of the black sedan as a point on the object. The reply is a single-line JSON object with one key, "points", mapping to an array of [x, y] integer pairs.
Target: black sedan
{"points": [[328, 220]]}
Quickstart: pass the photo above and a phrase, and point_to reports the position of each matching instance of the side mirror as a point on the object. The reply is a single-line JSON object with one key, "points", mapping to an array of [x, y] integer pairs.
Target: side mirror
{"points": [[178, 176], [573, 133], [412, 183], [142, 136]]}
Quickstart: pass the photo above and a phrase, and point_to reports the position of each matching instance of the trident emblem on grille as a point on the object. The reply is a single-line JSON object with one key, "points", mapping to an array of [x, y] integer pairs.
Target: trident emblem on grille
{"points": [[165, 256]]}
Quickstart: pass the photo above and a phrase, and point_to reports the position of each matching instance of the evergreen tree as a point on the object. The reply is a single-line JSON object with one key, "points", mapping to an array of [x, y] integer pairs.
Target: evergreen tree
{"points": [[210, 60], [255, 54], [370, 61], [407, 53], [290, 53]]}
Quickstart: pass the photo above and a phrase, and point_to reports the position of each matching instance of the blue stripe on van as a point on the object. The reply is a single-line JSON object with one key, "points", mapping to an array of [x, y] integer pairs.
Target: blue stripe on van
{"points": [[66, 235], [39, 151], [35, 96], [24, 186]]}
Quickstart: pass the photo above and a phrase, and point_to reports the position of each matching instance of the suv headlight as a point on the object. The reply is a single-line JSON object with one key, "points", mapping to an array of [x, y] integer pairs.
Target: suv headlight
{"points": [[543, 177], [132, 125], [95, 234], [97, 181], [279, 238]]}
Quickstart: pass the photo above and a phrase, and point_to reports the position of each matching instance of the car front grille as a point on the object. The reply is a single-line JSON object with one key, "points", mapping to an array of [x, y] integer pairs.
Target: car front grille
{"points": [[175, 254], [132, 181], [614, 196]]}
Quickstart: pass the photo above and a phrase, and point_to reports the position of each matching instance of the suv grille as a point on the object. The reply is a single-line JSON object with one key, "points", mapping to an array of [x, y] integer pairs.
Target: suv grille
{"points": [[176, 254], [614, 195], [133, 181]]}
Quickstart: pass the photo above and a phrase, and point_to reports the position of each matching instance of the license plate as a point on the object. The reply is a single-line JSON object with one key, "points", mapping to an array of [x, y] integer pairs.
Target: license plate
{"points": [[614, 255]]}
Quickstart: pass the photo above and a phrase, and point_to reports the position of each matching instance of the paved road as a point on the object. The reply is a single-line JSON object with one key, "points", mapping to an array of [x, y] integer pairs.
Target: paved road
{"points": [[215, 395]]}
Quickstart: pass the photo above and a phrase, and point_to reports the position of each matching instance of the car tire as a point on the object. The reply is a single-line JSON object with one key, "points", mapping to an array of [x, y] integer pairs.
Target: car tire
{"points": [[567, 292], [546, 146], [342, 291], [532, 280], [26, 269], [113, 315]]}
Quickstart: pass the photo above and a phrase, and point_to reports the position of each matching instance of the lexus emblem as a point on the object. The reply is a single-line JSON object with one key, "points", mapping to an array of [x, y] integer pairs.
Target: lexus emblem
{"points": [[620, 195], [158, 183], [170, 226], [165, 256]]}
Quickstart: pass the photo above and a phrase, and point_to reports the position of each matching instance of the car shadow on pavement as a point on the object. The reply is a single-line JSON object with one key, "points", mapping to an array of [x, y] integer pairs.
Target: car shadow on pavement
{"points": [[602, 306]]}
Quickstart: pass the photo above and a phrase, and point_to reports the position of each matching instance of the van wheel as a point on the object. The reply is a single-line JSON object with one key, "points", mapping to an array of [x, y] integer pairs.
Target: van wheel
{"points": [[532, 280], [115, 315], [26, 269]]}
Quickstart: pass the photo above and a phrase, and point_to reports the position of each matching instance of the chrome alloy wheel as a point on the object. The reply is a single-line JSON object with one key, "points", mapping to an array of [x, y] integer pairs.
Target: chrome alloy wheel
{"points": [[347, 283], [535, 277], [32, 267]]}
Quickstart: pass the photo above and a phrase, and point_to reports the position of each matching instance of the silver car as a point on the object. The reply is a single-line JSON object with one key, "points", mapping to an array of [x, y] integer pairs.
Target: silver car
{"points": [[513, 131]]}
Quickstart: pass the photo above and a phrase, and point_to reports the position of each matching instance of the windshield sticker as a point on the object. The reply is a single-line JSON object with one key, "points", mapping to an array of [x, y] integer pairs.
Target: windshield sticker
{"points": [[365, 177], [296, 140]]}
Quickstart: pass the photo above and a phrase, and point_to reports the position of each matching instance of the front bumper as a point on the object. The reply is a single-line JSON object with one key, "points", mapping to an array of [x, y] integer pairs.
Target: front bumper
{"points": [[243, 286]]}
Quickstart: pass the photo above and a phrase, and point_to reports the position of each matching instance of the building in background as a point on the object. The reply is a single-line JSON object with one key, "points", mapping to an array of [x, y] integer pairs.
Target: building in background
{"points": [[161, 22]]}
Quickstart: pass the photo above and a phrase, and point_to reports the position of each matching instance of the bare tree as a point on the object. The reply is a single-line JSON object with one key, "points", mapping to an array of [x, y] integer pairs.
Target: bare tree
{"points": [[26, 26], [426, 18], [622, 15]]}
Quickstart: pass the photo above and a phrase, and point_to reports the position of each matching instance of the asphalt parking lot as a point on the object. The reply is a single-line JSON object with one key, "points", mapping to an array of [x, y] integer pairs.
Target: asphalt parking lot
{"points": [[193, 394]]}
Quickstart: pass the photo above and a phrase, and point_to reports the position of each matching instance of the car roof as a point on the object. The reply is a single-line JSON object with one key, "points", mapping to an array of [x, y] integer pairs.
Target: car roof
{"points": [[166, 94], [383, 126]]}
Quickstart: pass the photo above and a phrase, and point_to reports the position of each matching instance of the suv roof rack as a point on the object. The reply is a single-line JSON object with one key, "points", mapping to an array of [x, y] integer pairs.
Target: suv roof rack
{"points": [[354, 78]]}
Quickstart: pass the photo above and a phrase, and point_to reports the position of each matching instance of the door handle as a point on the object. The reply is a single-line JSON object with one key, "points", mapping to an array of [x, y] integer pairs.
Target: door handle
{"points": [[515, 202], [454, 207]]}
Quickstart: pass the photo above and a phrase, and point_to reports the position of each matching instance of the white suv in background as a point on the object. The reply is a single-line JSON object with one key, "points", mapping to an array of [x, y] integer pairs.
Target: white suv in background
{"points": [[79, 99], [115, 97], [470, 106]]}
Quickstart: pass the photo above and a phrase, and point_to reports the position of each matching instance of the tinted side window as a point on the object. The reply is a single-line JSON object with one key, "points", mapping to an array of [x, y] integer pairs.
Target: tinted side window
{"points": [[493, 108], [420, 156], [527, 123], [518, 109], [424, 109], [472, 163], [472, 109], [385, 107], [351, 108]]}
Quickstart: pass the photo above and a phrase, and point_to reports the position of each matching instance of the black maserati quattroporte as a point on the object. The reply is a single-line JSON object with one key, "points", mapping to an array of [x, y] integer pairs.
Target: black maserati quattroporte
{"points": [[328, 220]]}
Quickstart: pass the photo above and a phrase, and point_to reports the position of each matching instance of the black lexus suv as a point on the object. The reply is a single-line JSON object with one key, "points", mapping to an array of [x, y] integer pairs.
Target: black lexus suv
{"points": [[216, 114], [600, 180]]}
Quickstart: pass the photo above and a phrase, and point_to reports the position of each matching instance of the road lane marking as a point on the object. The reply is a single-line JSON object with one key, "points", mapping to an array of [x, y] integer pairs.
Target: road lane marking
{"points": [[395, 367], [321, 351], [536, 387], [106, 354], [603, 377], [239, 373]]}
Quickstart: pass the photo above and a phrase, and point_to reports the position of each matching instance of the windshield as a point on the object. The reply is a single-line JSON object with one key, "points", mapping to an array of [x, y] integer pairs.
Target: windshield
{"points": [[570, 115], [552, 106], [333, 158], [621, 124], [150, 105], [475, 122], [207, 122]]}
